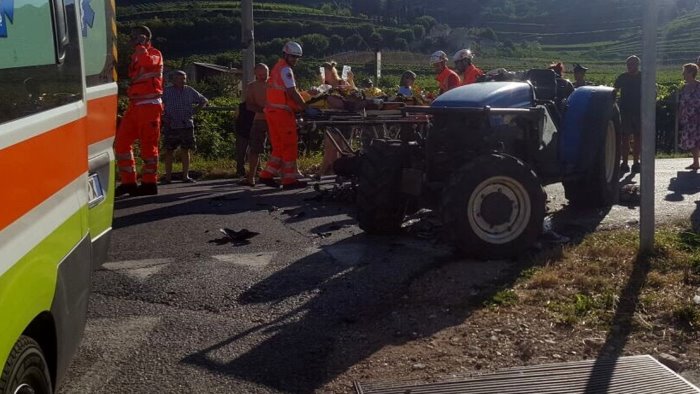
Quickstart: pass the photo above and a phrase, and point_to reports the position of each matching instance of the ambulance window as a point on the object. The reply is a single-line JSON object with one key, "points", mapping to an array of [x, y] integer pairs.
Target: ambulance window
{"points": [[98, 41], [32, 78]]}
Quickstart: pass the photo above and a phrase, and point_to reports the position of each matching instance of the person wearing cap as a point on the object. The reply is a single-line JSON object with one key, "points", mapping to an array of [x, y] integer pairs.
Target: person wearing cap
{"points": [[446, 77], [580, 76], [141, 120], [628, 86], [180, 102], [283, 102], [564, 86], [463, 64]]}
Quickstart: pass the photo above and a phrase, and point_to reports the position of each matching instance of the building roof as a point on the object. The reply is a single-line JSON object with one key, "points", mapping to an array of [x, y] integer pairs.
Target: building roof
{"points": [[217, 67]]}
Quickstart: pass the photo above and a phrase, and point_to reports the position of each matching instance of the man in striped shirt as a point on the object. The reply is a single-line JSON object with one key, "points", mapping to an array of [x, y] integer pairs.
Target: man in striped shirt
{"points": [[180, 101]]}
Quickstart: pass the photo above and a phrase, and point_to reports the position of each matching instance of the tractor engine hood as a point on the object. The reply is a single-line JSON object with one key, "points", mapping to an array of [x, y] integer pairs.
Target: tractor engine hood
{"points": [[492, 94]]}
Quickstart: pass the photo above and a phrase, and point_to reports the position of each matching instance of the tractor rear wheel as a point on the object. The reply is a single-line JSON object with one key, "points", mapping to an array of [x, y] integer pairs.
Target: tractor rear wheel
{"points": [[381, 206], [493, 207], [599, 187]]}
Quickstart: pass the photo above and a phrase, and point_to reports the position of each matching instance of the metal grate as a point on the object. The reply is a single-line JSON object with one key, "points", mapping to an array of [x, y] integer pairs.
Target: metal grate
{"points": [[633, 375]]}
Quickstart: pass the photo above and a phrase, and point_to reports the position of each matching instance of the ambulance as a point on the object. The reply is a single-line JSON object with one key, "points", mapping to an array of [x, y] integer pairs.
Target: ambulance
{"points": [[58, 102]]}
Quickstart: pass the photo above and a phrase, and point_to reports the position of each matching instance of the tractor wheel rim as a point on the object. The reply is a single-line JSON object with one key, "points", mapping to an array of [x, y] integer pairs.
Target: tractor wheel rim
{"points": [[506, 189], [610, 152]]}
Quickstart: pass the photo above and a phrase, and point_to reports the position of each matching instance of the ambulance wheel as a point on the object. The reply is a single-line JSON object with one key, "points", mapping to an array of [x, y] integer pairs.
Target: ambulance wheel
{"points": [[26, 370], [380, 204], [493, 207], [599, 187]]}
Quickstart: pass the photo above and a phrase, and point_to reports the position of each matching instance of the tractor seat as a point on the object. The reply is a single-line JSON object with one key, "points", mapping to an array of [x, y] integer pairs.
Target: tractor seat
{"points": [[545, 84]]}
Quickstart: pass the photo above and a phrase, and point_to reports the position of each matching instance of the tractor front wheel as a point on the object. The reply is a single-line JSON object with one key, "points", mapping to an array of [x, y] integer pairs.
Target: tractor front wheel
{"points": [[381, 206], [493, 207]]}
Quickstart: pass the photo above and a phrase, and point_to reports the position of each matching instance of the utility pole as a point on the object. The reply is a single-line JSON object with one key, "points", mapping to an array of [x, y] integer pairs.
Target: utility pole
{"points": [[647, 176], [247, 43]]}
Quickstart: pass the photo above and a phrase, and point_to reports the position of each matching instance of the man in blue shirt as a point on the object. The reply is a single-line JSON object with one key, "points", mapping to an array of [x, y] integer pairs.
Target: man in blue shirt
{"points": [[180, 101]]}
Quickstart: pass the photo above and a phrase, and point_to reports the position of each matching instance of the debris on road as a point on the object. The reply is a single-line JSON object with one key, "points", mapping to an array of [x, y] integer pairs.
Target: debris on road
{"points": [[237, 238], [630, 195]]}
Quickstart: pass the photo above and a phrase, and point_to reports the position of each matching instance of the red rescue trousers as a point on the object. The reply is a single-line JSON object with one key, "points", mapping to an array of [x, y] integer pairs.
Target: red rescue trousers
{"points": [[282, 127], [140, 122]]}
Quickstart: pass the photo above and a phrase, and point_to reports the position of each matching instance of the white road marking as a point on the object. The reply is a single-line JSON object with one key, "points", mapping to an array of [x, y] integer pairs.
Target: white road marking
{"points": [[346, 254], [139, 270], [105, 349], [248, 260]]}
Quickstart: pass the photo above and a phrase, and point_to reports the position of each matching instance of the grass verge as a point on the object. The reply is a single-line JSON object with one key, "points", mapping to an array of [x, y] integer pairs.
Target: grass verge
{"points": [[226, 168], [586, 283]]}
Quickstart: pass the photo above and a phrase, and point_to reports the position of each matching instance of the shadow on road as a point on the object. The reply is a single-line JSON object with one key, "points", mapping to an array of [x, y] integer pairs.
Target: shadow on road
{"points": [[363, 301], [234, 199], [359, 295], [354, 310], [685, 183]]}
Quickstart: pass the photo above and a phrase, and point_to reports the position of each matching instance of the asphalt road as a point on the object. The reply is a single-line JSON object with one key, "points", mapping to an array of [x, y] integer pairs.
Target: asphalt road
{"points": [[178, 309]]}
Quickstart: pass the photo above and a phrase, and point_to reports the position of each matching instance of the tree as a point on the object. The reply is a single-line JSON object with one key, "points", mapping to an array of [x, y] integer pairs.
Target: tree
{"points": [[376, 40], [419, 32], [426, 21], [314, 44], [408, 35], [400, 44], [335, 42], [489, 34], [354, 42]]}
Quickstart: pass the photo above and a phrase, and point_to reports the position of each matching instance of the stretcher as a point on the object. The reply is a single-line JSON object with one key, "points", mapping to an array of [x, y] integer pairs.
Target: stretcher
{"points": [[350, 131]]}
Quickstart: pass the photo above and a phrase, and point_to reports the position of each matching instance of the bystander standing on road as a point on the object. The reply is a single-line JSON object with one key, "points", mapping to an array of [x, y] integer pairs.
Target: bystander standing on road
{"points": [[255, 102], [689, 114], [629, 87], [580, 76], [180, 101]]}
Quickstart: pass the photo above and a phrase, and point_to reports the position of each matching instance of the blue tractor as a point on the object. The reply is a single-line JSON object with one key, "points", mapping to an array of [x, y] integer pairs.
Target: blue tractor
{"points": [[484, 160]]}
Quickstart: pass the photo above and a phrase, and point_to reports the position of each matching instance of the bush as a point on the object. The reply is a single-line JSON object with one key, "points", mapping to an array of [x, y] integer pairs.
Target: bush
{"points": [[214, 129]]}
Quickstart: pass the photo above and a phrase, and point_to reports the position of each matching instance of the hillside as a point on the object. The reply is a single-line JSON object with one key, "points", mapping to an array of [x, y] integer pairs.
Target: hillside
{"points": [[592, 31]]}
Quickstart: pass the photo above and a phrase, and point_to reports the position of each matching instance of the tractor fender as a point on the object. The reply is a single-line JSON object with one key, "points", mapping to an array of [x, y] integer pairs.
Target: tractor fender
{"points": [[584, 126]]}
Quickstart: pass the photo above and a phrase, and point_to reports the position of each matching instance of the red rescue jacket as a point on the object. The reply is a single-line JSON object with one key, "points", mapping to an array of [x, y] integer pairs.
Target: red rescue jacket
{"points": [[471, 74], [146, 74], [277, 97], [447, 79]]}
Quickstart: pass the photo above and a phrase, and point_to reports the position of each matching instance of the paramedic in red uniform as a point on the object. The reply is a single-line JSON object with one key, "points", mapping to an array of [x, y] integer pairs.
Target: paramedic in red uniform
{"points": [[463, 64], [447, 79], [283, 101], [142, 118]]}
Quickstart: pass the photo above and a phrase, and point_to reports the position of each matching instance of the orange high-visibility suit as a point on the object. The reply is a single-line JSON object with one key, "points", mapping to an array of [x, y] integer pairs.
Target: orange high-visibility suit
{"points": [[471, 74], [282, 126], [142, 118], [447, 79]]}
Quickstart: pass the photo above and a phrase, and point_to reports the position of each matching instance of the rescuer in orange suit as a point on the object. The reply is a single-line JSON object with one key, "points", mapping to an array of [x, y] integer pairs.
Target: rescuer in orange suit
{"points": [[446, 77], [463, 64], [142, 118], [283, 101]]}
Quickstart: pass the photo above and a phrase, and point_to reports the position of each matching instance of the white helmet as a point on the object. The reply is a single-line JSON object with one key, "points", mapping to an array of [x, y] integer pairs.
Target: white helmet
{"points": [[438, 57], [463, 54], [292, 48]]}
